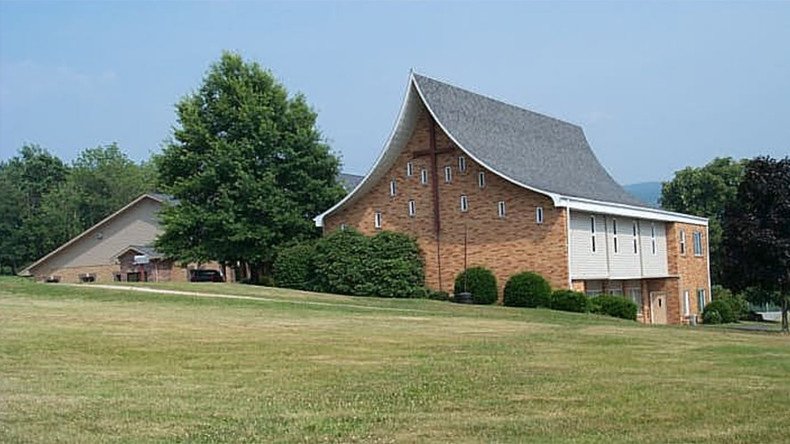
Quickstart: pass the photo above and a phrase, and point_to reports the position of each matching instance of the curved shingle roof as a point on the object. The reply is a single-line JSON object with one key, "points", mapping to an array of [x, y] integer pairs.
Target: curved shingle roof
{"points": [[538, 151]]}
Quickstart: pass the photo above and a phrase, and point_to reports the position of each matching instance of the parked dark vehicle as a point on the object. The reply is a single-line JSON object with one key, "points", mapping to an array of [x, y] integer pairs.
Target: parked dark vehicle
{"points": [[205, 276]]}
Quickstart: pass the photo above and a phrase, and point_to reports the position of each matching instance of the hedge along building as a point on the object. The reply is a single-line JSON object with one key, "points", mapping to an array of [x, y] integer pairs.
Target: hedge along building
{"points": [[116, 249], [522, 191]]}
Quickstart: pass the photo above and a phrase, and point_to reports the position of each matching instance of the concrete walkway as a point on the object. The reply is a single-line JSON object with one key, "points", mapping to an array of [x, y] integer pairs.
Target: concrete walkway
{"points": [[197, 294]]}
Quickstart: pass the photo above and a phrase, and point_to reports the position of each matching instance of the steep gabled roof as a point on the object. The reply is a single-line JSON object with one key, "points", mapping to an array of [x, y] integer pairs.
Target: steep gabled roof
{"points": [[349, 181], [536, 150], [161, 198], [530, 150]]}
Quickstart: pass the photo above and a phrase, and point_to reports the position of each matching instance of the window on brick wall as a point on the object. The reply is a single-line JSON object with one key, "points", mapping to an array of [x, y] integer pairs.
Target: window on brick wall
{"points": [[462, 164], [592, 233], [539, 215], [409, 169], [448, 174], [686, 303], [343, 227], [697, 243], [393, 187], [464, 204], [423, 176], [412, 208], [700, 300], [501, 209], [377, 220], [481, 179], [682, 242]]}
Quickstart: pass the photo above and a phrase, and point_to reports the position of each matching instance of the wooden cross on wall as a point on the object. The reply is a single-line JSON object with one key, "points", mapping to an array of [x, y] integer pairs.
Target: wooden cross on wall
{"points": [[433, 153]]}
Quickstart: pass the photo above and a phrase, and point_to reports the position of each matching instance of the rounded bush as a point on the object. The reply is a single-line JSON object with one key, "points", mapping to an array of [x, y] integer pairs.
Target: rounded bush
{"points": [[711, 317], [340, 263], [394, 267], [438, 295], [293, 267], [480, 282], [616, 306], [569, 300], [723, 309], [527, 290]]}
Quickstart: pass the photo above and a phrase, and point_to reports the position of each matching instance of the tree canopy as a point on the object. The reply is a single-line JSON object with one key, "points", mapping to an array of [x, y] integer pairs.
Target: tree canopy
{"points": [[705, 192], [248, 166], [757, 234]]}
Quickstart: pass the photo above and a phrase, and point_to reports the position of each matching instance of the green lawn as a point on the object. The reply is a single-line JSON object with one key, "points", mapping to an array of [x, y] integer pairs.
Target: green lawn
{"points": [[81, 364]]}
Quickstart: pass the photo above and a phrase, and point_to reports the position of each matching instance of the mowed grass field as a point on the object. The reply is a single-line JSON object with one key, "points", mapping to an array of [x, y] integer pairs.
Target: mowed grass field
{"points": [[83, 364]]}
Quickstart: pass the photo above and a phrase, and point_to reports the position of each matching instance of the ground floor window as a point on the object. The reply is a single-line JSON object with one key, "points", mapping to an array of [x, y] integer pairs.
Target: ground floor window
{"points": [[593, 289], [701, 299], [686, 303], [133, 277], [635, 295]]}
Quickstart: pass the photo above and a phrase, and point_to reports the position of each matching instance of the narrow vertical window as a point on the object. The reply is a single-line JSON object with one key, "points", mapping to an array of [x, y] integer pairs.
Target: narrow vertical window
{"points": [[423, 176], [501, 208], [700, 300], [697, 243], [462, 164], [412, 208], [653, 237], [686, 303], [343, 227], [682, 242], [539, 215], [448, 174], [393, 187], [481, 179], [634, 230], [464, 204], [592, 232], [614, 234], [409, 169], [377, 220]]}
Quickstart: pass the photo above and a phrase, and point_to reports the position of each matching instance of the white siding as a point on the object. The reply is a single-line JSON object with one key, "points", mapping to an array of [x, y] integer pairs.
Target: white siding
{"points": [[604, 263], [586, 264], [653, 264], [623, 264]]}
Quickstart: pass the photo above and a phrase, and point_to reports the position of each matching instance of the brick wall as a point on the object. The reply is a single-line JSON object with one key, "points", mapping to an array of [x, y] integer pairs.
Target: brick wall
{"points": [[506, 245], [691, 270]]}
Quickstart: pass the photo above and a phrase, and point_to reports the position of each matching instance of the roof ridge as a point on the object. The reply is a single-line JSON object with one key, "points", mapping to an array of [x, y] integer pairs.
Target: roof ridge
{"points": [[500, 101]]}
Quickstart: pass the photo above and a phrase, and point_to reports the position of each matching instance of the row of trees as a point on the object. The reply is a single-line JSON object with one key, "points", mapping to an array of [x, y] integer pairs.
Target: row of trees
{"points": [[46, 201], [748, 203]]}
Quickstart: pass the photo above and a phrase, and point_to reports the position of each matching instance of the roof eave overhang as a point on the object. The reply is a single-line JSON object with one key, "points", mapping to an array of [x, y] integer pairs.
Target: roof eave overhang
{"points": [[617, 209]]}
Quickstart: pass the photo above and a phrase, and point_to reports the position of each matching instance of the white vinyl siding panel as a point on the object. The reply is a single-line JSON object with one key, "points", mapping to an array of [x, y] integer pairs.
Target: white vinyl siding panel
{"points": [[623, 264], [586, 264], [653, 265]]}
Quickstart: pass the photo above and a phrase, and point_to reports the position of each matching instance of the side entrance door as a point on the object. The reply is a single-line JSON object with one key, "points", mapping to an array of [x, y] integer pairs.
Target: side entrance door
{"points": [[658, 307]]}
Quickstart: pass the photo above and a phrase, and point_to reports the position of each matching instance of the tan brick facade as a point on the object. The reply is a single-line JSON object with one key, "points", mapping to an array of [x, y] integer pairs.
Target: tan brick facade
{"points": [[691, 269], [505, 245]]}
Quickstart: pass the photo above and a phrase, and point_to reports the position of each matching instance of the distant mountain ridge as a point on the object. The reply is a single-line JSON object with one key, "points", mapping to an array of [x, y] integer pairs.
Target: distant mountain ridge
{"points": [[647, 192]]}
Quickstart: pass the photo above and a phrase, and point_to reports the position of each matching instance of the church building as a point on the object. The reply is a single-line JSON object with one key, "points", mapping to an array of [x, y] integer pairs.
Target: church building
{"points": [[521, 191]]}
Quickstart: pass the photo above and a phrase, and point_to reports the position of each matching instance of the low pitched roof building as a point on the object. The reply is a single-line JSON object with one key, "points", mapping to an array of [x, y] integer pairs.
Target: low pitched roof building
{"points": [[523, 191]]}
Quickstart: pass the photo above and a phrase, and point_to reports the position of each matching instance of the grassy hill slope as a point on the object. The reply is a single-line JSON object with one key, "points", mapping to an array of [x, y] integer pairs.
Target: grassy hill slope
{"points": [[81, 364]]}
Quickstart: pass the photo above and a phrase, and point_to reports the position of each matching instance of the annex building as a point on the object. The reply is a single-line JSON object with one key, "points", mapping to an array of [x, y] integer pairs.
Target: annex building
{"points": [[523, 191], [118, 248]]}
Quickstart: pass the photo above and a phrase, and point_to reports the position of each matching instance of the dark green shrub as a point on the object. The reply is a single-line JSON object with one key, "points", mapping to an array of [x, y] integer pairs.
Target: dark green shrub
{"points": [[737, 303], [293, 267], [438, 295], [340, 263], [711, 317], [722, 308], [616, 306], [569, 300], [480, 282], [394, 267], [527, 289]]}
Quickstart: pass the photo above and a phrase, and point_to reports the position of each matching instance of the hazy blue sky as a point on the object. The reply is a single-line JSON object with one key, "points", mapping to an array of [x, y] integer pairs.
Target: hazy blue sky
{"points": [[656, 86]]}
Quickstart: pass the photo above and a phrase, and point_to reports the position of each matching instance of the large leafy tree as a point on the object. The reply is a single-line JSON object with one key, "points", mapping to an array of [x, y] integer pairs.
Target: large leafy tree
{"points": [[705, 192], [249, 169], [26, 179], [757, 234]]}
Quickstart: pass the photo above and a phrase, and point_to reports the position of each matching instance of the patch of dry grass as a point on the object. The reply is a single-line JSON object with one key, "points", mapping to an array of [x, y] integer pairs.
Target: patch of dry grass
{"points": [[90, 365]]}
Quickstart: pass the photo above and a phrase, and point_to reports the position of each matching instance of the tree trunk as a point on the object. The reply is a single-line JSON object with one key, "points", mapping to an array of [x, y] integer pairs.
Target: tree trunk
{"points": [[785, 328], [255, 273]]}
